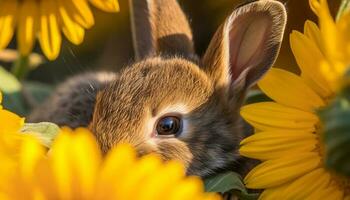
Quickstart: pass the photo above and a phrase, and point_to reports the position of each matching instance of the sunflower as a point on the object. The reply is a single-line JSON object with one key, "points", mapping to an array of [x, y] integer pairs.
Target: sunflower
{"points": [[288, 138], [75, 169], [45, 19]]}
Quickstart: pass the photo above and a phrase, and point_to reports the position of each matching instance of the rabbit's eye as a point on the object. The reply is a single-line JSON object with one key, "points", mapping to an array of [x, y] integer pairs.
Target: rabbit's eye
{"points": [[169, 126]]}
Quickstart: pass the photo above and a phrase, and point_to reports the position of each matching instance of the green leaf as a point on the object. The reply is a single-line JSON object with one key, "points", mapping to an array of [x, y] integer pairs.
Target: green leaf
{"points": [[36, 92], [224, 183], [45, 132], [8, 83], [11, 90], [14, 102], [344, 7], [228, 182], [20, 98], [248, 196]]}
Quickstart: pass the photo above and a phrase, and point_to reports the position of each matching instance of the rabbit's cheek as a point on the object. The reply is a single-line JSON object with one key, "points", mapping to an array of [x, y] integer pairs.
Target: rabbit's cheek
{"points": [[174, 149], [146, 148], [149, 129]]}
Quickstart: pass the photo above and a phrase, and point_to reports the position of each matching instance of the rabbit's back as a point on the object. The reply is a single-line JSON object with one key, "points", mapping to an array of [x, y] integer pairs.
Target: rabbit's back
{"points": [[72, 103]]}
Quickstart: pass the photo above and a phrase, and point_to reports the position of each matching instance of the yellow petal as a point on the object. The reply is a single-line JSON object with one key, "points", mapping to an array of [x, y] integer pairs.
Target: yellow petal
{"points": [[343, 27], [80, 12], [304, 186], [187, 189], [312, 31], [332, 192], [27, 26], [273, 193], [10, 122], [75, 162], [44, 175], [62, 170], [289, 89], [333, 72], [72, 30], [276, 144], [329, 31], [49, 33], [106, 5], [117, 164], [315, 6], [148, 166], [273, 116], [85, 159], [169, 175], [308, 57], [276, 172], [31, 153], [8, 11]]}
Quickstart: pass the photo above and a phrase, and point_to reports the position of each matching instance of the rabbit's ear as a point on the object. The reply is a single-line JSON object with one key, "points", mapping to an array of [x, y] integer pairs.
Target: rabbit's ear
{"points": [[246, 45], [160, 27]]}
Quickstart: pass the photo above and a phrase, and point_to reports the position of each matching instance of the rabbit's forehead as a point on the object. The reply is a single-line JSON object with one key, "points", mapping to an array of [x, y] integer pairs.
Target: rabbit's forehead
{"points": [[160, 84]]}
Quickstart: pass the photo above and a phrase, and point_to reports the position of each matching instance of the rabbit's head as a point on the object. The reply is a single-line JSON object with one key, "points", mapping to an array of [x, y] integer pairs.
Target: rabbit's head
{"points": [[180, 106]]}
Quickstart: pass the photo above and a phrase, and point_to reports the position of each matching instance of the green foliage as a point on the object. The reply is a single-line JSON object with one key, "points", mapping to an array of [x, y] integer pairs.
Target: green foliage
{"points": [[336, 128], [8, 83], [36, 92], [21, 67], [229, 182], [45, 132], [20, 98], [11, 89]]}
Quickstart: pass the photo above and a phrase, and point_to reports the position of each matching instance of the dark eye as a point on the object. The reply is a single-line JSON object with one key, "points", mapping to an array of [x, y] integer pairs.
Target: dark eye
{"points": [[168, 126]]}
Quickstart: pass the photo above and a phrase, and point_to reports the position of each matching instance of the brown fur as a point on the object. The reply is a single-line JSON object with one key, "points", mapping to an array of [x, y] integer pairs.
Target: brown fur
{"points": [[160, 27], [168, 78]]}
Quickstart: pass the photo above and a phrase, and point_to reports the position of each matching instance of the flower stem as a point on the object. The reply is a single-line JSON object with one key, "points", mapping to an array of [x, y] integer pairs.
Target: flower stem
{"points": [[20, 67]]}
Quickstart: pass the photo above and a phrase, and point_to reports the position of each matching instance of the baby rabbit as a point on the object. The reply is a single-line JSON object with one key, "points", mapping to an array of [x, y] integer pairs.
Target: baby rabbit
{"points": [[170, 101]]}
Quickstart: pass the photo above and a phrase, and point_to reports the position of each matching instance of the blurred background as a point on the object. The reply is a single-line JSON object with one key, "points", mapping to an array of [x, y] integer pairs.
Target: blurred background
{"points": [[108, 44]]}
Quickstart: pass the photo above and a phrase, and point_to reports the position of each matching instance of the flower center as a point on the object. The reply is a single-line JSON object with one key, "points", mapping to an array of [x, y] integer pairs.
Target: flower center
{"points": [[341, 181]]}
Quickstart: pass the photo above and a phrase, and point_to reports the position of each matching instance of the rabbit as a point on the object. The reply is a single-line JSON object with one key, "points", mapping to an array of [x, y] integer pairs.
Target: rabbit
{"points": [[171, 101]]}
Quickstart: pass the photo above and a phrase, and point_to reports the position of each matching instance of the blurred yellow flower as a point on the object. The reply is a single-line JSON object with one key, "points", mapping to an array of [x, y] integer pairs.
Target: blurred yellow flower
{"points": [[10, 125], [335, 39], [74, 169], [45, 19], [288, 138]]}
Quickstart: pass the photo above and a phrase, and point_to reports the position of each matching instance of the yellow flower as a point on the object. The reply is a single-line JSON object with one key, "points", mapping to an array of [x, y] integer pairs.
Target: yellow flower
{"points": [[288, 138], [336, 41], [10, 125], [45, 19], [75, 169]]}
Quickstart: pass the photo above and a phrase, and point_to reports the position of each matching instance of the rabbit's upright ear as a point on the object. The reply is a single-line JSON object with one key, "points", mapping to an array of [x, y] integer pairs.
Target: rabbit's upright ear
{"points": [[160, 27], [246, 45]]}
